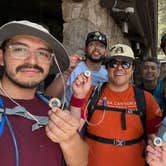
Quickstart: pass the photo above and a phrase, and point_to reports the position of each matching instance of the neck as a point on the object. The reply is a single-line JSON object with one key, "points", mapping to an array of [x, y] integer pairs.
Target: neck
{"points": [[92, 65], [118, 88], [9, 89], [149, 85]]}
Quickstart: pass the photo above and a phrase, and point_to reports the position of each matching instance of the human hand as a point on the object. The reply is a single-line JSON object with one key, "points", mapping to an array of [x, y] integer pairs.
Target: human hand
{"points": [[156, 155], [62, 126], [74, 60], [81, 85]]}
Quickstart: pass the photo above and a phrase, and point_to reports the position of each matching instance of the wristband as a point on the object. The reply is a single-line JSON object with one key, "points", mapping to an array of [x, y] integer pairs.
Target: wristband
{"points": [[76, 102]]}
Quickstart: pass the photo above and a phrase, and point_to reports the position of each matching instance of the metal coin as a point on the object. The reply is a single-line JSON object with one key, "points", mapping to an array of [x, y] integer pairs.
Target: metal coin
{"points": [[54, 102]]}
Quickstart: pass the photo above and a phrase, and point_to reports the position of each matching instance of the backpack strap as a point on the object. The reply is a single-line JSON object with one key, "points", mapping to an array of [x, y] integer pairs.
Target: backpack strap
{"points": [[141, 104], [94, 97], [2, 118], [42, 97]]}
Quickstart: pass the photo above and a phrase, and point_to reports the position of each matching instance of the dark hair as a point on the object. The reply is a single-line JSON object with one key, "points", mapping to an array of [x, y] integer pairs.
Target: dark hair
{"points": [[4, 44], [151, 59], [163, 40]]}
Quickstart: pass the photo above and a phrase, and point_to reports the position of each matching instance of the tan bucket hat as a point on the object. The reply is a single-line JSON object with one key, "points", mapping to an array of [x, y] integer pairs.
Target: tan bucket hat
{"points": [[25, 27]]}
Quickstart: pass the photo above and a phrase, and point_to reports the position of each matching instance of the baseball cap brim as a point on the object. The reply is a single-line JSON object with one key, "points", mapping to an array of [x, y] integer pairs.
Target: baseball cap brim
{"points": [[120, 57], [15, 28]]}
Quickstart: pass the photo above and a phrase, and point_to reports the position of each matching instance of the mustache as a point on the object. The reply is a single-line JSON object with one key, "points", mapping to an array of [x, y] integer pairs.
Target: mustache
{"points": [[29, 66]]}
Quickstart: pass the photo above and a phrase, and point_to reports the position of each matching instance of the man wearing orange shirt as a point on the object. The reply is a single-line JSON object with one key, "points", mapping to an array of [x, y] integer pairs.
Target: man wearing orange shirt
{"points": [[115, 133]]}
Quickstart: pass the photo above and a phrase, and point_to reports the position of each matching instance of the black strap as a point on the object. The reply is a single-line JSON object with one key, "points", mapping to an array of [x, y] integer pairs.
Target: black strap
{"points": [[123, 119], [141, 105], [123, 113], [94, 97], [127, 111], [115, 142]]}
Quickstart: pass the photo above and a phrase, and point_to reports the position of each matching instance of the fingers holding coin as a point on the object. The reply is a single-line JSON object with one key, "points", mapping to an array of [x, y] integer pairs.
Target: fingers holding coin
{"points": [[83, 78]]}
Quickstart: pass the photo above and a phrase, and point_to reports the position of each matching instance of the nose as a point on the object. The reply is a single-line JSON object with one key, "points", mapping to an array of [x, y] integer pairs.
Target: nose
{"points": [[149, 69], [32, 58], [119, 67], [97, 46]]}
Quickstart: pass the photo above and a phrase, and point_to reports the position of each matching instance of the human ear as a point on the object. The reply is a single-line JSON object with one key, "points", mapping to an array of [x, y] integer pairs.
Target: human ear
{"points": [[1, 57]]}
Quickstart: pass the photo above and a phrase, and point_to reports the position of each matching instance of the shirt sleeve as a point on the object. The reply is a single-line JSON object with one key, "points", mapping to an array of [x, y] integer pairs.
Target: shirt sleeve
{"points": [[153, 114]]}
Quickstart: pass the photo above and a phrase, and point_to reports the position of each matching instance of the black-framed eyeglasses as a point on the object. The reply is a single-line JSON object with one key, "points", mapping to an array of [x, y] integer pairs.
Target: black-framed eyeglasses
{"points": [[22, 52], [115, 63]]}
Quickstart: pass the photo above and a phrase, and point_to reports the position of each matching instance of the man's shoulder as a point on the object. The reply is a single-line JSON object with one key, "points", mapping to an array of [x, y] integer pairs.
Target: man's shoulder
{"points": [[103, 68], [80, 67]]}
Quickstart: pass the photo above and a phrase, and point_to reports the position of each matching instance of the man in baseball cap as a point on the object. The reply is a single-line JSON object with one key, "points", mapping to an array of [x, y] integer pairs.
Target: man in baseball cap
{"points": [[34, 133], [123, 53], [95, 53], [114, 126]]}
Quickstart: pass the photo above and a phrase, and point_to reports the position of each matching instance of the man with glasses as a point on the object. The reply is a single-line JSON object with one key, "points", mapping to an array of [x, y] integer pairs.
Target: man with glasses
{"points": [[95, 53], [31, 133], [115, 131]]}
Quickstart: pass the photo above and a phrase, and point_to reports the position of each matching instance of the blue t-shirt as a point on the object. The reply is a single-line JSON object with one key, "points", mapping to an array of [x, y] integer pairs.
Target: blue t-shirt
{"points": [[158, 95], [157, 92], [98, 77]]}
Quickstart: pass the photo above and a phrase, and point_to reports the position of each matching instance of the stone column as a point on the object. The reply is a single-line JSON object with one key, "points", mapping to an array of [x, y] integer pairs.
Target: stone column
{"points": [[84, 16]]}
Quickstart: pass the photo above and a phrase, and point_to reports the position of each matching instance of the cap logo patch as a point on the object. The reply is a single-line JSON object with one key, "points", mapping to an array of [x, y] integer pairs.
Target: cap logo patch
{"points": [[119, 50], [97, 33]]}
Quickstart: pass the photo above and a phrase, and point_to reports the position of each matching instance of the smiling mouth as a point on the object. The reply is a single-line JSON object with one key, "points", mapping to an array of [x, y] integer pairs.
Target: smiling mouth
{"points": [[119, 74], [149, 76]]}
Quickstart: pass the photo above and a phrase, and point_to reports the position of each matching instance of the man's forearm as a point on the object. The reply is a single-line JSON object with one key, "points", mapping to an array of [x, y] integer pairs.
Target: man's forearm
{"points": [[58, 85], [75, 151]]}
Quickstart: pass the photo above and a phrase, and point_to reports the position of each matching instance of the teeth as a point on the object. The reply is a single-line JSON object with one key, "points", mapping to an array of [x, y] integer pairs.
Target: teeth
{"points": [[96, 53], [119, 74]]}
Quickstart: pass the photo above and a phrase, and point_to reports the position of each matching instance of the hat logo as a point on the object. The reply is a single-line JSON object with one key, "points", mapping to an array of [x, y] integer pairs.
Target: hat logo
{"points": [[100, 38], [97, 33], [118, 50]]}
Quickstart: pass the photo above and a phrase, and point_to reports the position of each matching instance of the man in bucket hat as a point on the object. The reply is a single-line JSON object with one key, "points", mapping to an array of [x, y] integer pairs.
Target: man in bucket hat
{"points": [[115, 123], [27, 52]]}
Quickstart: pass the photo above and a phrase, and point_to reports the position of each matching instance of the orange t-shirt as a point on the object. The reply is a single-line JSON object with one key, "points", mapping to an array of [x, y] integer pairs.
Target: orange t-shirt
{"points": [[102, 154]]}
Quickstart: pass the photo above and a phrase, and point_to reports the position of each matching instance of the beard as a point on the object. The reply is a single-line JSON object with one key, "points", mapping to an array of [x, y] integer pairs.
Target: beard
{"points": [[99, 60], [21, 83]]}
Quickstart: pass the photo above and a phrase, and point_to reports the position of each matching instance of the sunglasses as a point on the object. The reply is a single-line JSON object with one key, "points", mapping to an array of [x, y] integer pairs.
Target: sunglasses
{"points": [[116, 63]]}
